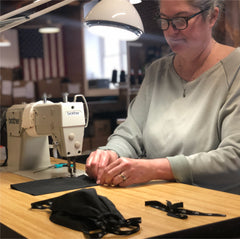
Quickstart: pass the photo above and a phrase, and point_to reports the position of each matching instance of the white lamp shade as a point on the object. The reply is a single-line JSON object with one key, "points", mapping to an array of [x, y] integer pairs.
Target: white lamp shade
{"points": [[117, 18]]}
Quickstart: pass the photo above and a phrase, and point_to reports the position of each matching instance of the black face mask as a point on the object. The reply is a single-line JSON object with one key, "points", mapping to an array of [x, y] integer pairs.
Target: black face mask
{"points": [[85, 211]]}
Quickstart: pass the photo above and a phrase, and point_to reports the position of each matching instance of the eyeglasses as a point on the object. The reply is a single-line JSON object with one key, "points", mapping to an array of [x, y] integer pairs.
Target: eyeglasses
{"points": [[178, 23]]}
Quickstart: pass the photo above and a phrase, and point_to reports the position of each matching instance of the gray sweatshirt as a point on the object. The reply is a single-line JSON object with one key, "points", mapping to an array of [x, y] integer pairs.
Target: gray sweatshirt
{"points": [[196, 125]]}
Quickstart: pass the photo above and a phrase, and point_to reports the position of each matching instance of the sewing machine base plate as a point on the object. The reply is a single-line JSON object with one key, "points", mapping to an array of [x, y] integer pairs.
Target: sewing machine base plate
{"points": [[49, 173]]}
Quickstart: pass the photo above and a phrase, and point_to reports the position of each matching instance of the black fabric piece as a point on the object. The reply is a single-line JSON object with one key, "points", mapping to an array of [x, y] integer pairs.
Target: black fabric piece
{"points": [[225, 229], [177, 210], [8, 233], [39, 187], [84, 210]]}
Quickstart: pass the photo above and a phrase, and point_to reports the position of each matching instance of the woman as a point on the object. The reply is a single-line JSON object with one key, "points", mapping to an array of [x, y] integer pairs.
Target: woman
{"points": [[184, 124]]}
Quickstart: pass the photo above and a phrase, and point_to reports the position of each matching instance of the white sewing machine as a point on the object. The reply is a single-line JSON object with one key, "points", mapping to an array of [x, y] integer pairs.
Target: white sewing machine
{"points": [[28, 128]]}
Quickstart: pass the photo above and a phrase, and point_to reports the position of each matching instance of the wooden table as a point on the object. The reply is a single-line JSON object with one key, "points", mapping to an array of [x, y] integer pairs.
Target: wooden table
{"points": [[16, 214]]}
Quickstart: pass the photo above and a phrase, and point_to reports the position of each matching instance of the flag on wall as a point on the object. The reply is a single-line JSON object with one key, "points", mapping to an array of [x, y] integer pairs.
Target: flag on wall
{"points": [[41, 55]]}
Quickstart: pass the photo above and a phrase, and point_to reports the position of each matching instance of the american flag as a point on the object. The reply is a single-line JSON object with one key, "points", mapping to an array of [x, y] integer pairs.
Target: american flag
{"points": [[41, 55]]}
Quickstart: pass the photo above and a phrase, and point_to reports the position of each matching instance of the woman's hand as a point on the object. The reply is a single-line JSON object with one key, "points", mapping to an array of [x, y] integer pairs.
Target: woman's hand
{"points": [[98, 161], [127, 171], [108, 169]]}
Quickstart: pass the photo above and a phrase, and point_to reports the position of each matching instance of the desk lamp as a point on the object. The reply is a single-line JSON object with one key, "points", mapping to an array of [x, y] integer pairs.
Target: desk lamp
{"points": [[117, 18], [118, 15]]}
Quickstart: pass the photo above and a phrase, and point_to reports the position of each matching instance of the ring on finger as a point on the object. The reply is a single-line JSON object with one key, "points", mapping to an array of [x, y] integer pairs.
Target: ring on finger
{"points": [[123, 177]]}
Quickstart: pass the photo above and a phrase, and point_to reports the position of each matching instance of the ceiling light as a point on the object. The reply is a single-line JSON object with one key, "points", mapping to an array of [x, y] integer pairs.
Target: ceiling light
{"points": [[135, 1], [115, 18], [49, 30], [4, 42]]}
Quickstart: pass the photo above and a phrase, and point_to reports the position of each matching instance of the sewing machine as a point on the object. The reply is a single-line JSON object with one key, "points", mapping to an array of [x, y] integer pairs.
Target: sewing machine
{"points": [[29, 127]]}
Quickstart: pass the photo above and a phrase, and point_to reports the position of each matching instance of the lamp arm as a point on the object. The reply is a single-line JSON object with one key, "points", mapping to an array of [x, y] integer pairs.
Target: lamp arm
{"points": [[17, 21], [23, 9]]}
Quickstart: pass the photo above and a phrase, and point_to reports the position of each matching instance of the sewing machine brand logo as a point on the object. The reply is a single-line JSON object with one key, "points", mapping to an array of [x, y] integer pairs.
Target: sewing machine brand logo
{"points": [[13, 121], [73, 113]]}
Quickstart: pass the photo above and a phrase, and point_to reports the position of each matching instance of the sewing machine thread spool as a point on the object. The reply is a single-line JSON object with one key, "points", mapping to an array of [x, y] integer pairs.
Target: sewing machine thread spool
{"points": [[65, 97]]}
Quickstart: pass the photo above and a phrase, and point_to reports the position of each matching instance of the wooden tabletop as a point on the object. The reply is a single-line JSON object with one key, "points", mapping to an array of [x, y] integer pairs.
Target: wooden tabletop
{"points": [[15, 209]]}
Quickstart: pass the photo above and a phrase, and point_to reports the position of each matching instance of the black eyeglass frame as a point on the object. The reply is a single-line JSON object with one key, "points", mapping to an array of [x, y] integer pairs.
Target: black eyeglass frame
{"points": [[185, 18]]}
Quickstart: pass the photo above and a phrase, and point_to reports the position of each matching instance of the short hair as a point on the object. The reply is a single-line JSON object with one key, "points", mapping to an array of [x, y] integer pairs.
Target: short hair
{"points": [[207, 4]]}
